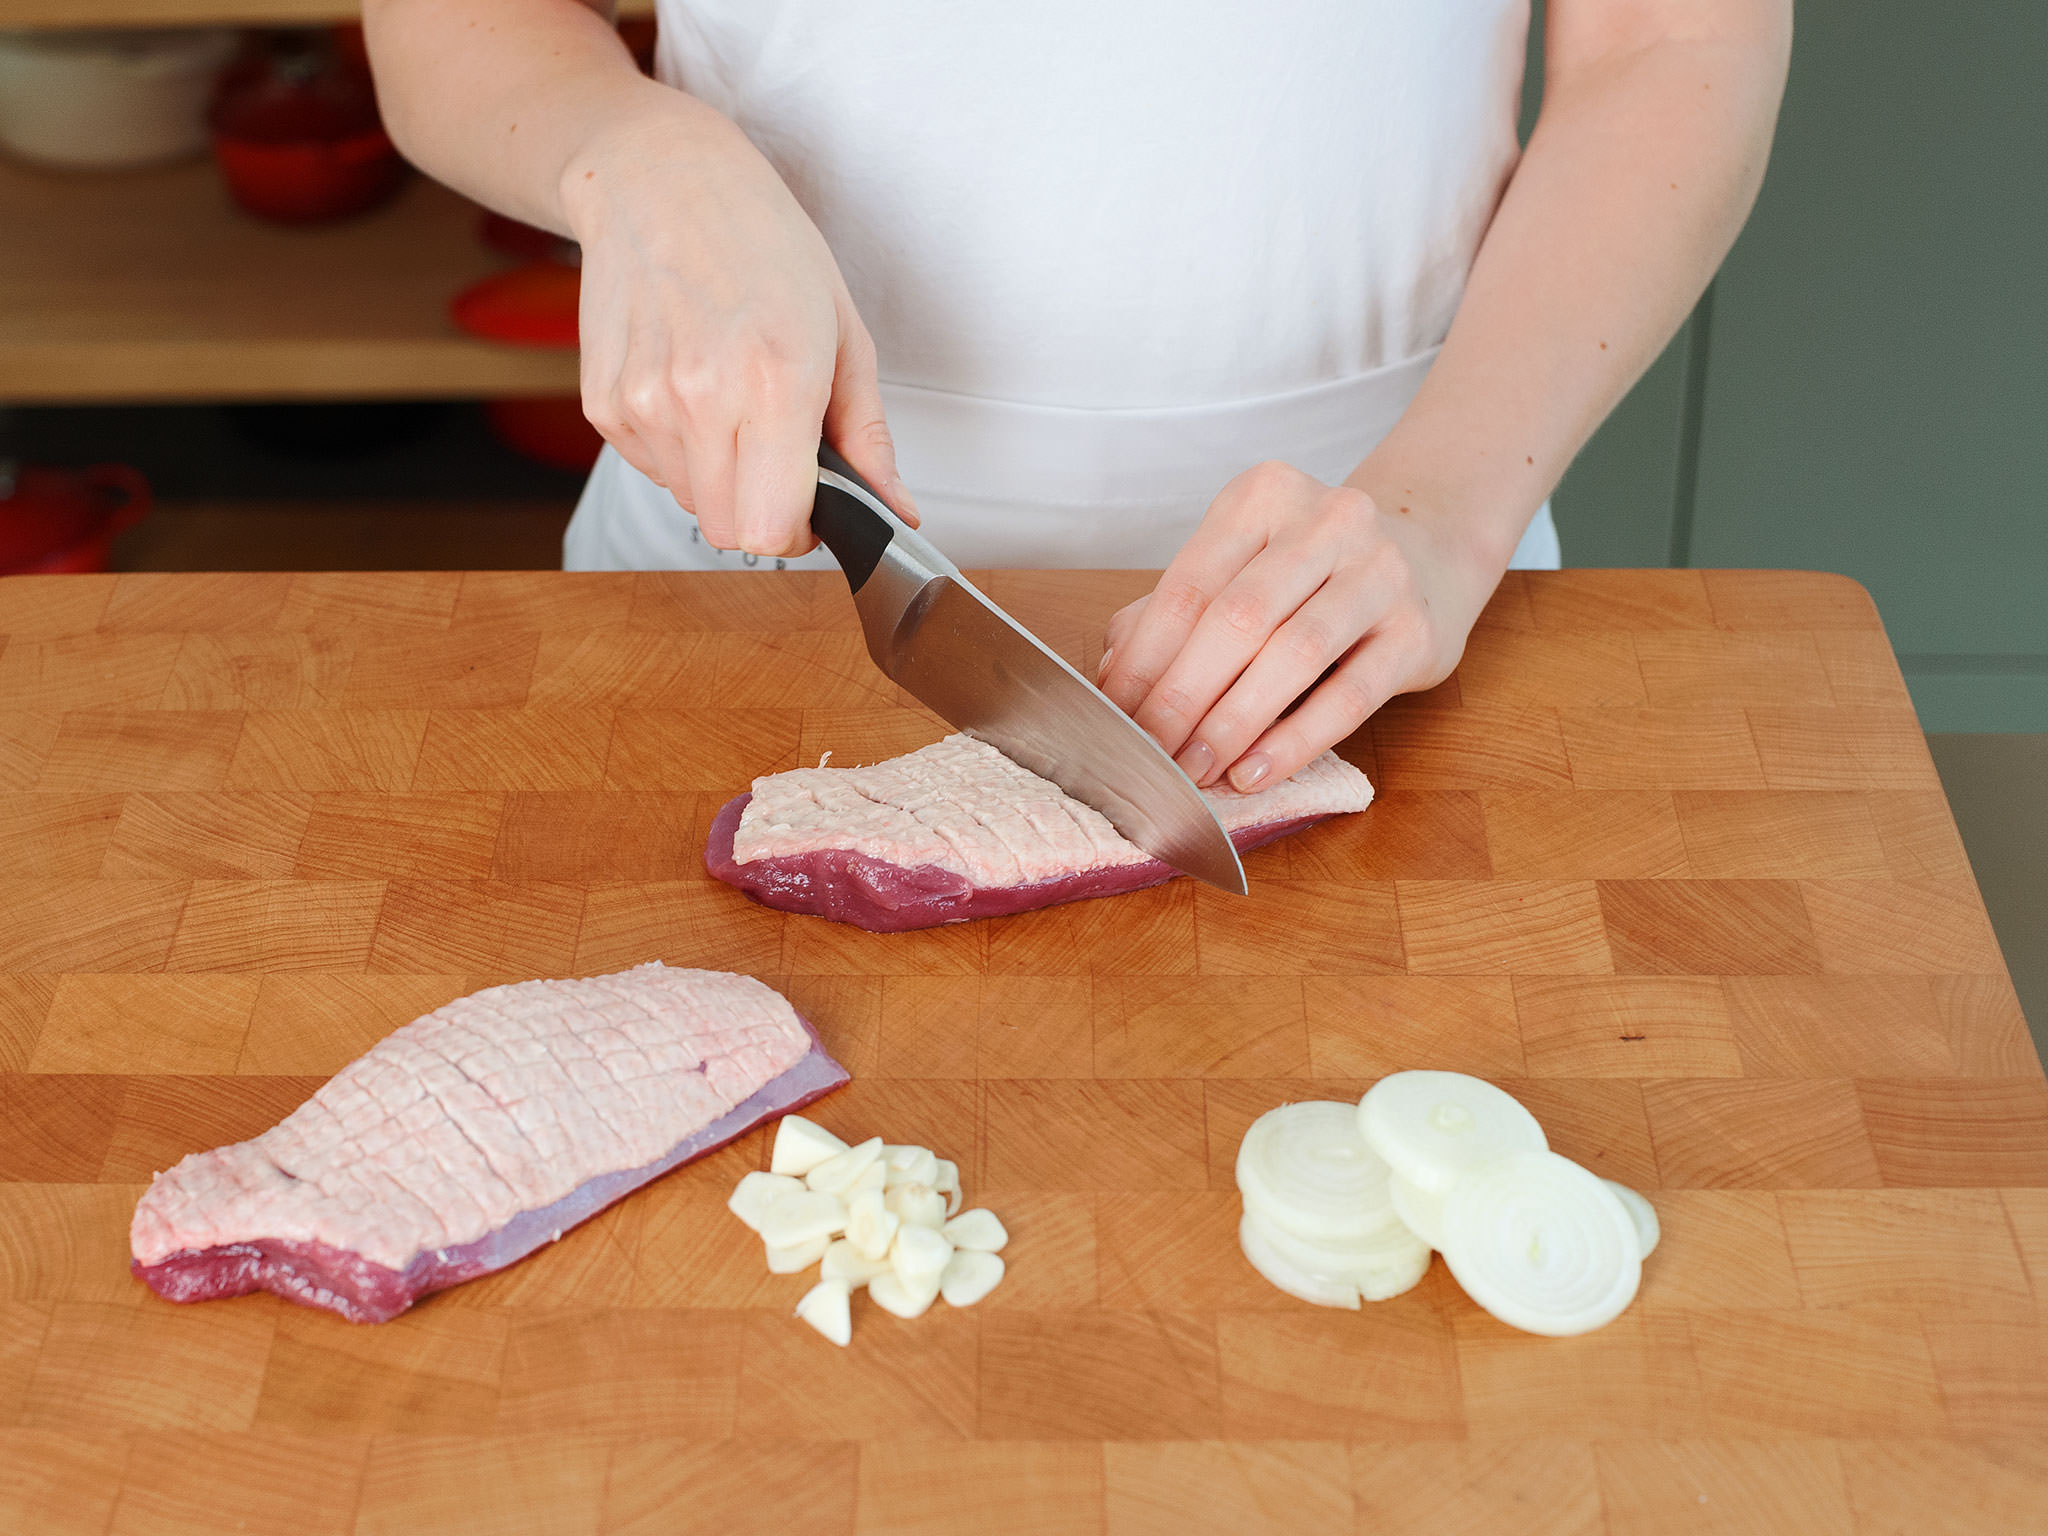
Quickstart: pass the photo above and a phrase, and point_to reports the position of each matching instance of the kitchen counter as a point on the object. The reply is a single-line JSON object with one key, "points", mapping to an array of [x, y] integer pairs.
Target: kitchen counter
{"points": [[1667, 857]]}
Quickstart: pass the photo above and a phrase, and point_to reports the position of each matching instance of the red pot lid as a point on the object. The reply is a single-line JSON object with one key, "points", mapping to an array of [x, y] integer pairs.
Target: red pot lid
{"points": [[533, 305]]}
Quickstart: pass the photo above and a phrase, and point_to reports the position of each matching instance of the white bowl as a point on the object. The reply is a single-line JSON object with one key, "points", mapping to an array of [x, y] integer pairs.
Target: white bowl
{"points": [[108, 100]]}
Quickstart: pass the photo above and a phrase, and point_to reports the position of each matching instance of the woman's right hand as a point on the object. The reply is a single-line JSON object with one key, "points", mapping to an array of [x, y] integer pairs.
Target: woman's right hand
{"points": [[719, 341]]}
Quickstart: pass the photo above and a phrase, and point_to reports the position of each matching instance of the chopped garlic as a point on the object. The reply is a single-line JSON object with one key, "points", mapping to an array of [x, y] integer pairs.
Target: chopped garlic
{"points": [[948, 1184], [800, 1146], [919, 1205], [969, 1276], [918, 1254], [796, 1258], [827, 1307], [911, 1165], [871, 1226], [875, 1177], [979, 1230], [788, 1220], [892, 1293], [873, 1216], [843, 1261], [751, 1198], [836, 1174]]}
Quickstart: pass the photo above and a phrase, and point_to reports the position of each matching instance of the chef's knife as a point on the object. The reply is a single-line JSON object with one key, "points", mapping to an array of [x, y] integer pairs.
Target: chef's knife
{"points": [[929, 628]]}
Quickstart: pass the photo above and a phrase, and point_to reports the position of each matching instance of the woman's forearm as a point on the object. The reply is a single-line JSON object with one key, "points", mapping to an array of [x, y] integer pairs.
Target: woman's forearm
{"points": [[1651, 144], [504, 99]]}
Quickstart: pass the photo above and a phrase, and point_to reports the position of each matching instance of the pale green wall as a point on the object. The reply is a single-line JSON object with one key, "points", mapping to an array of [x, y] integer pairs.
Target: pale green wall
{"points": [[1866, 389]]}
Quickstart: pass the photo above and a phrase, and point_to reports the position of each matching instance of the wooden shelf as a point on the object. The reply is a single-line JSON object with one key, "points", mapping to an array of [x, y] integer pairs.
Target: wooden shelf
{"points": [[153, 286], [198, 13]]}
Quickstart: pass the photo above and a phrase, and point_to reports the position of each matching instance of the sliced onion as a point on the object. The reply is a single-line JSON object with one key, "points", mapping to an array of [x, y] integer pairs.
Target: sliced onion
{"points": [[1542, 1244], [1642, 1213], [1252, 1237], [1305, 1169], [1377, 1268], [1433, 1126], [1420, 1213]]}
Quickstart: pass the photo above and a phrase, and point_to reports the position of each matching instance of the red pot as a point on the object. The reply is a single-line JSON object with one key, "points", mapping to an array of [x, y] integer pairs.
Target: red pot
{"points": [[312, 181], [532, 306], [552, 430], [59, 520], [297, 134]]}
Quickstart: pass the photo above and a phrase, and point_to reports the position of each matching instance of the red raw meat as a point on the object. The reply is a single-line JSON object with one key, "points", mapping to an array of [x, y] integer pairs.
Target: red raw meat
{"points": [[957, 831], [474, 1135]]}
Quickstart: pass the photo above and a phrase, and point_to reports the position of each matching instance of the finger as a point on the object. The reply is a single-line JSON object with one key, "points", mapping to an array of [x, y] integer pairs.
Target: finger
{"points": [[1232, 633], [672, 474], [1374, 672], [1314, 639], [1115, 630], [712, 455], [634, 450], [776, 478], [1224, 544], [856, 426]]}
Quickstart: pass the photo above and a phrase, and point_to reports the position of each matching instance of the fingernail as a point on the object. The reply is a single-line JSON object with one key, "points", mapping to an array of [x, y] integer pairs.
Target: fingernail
{"points": [[1249, 772], [1102, 666], [1196, 760]]}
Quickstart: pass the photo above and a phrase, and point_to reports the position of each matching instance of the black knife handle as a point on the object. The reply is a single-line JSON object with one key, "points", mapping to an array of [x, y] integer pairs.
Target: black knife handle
{"points": [[847, 526]]}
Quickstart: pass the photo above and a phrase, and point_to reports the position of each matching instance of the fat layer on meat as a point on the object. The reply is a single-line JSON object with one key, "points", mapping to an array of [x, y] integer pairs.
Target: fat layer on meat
{"points": [[961, 806], [497, 1103]]}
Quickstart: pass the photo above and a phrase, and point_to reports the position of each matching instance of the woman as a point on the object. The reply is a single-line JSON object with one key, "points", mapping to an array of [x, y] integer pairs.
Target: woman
{"points": [[1263, 293]]}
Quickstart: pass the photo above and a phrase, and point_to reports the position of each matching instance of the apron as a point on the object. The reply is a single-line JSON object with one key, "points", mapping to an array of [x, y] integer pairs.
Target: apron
{"points": [[1112, 252]]}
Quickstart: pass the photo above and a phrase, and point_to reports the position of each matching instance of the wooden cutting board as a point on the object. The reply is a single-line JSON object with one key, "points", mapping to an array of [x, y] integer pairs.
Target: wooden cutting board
{"points": [[1667, 857]]}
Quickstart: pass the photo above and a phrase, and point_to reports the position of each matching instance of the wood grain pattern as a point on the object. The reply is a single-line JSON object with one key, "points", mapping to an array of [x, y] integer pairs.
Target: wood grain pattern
{"points": [[1666, 858]]}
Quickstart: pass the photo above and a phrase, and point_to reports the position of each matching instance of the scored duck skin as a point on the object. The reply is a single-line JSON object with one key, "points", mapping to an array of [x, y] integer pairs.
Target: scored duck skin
{"points": [[956, 830], [476, 1134]]}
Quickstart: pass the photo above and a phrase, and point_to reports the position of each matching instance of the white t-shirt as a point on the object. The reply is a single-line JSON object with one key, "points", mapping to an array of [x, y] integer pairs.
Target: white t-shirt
{"points": [[1112, 252]]}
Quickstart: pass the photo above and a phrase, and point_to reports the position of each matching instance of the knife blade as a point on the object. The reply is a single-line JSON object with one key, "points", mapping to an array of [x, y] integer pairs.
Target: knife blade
{"points": [[941, 638]]}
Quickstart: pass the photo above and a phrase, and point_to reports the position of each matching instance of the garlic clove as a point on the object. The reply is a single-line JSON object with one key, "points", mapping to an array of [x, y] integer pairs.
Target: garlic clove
{"points": [[796, 1259], [979, 1230], [871, 1226], [751, 1196], [801, 1145], [892, 1293], [969, 1275], [911, 1165], [836, 1175], [919, 1254], [793, 1219], [948, 1184], [843, 1261], [827, 1307], [919, 1205]]}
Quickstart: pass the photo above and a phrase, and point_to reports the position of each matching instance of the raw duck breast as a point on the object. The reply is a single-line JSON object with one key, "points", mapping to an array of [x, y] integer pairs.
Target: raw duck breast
{"points": [[470, 1137], [956, 830]]}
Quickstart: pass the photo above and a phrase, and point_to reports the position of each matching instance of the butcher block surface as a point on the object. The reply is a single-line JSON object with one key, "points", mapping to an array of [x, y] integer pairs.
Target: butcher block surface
{"points": [[1667, 857]]}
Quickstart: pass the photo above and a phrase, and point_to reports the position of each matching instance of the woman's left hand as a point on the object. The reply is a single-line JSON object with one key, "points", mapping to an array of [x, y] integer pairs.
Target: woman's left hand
{"points": [[1291, 589]]}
